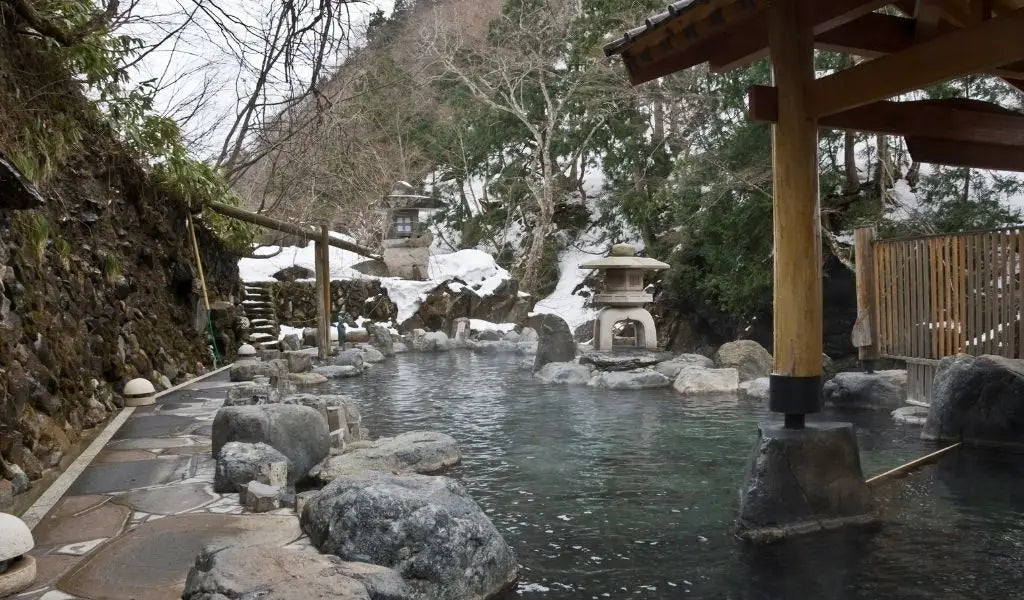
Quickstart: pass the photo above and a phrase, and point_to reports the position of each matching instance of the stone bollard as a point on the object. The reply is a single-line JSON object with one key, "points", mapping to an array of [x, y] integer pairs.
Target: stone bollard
{"points": [[17, 567], [139, 392], [802, 481]]}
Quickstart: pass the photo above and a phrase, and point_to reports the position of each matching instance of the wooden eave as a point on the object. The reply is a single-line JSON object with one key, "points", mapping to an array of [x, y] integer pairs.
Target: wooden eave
{"points": [[935, 41]]}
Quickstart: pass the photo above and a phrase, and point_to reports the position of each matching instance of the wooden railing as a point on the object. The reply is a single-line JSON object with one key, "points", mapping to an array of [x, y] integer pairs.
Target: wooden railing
{"points": [[921, 299]]}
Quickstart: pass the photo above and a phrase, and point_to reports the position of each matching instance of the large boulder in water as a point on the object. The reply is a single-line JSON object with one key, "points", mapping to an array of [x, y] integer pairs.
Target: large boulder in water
{"points": [[272, 573], [671, 367], [426, 528], [977, 400], [881, 389], [624, 360], [298, 432], [421, 452], [555, 340], [700, 381], [571, 373], [431, 341], [640, 379], [749, 358]]}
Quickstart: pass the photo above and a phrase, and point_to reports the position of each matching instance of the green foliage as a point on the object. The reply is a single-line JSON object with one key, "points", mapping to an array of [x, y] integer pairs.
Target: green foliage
{"points": [[62, 250], [37, 232], [111, 267]]}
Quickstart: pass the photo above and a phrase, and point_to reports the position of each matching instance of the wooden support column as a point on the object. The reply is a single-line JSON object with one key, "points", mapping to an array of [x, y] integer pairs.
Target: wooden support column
{"points": [[323, 339], [796, 381], [325, 289], [865, 334]]}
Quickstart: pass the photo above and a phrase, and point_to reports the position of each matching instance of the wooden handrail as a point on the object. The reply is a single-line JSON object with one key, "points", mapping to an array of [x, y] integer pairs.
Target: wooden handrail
{"points": [[304, 231]]}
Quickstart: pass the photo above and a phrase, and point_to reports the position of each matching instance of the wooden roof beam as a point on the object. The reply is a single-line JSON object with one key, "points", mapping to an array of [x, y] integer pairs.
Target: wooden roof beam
{"points": [[876, 35], [964, 154], [953, 120], [745, 45], [979, 48]]}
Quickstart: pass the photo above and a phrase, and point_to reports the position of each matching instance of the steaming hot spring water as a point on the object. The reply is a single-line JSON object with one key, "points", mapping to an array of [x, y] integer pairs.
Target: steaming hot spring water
{"points": [[616, 494]]}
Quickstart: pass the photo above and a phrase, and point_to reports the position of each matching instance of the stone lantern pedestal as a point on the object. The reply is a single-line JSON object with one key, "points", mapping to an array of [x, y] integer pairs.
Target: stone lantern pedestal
{"points": [[623, 296], [17, 567]]}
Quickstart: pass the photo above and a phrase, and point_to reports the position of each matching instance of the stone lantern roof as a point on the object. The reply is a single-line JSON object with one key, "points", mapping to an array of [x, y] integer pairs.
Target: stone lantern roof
{"points": [[623, 256]]}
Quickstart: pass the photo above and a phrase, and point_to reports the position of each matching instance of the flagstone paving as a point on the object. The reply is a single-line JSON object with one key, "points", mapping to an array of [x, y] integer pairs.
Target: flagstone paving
{"points": [[131, 525]]}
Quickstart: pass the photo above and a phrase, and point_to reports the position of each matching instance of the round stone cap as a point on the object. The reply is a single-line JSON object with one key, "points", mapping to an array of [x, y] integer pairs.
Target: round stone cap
{"points": [[15, 537], [623, 250], [246, 350], [139, 387]]}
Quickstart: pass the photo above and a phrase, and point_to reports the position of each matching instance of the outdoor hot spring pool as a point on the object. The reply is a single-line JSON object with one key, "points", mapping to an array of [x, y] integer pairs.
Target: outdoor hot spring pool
{"points": [[608, 494]]}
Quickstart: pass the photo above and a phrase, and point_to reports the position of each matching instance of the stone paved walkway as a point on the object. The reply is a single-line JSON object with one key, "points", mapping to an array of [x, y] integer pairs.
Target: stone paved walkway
{"points": [[132, 523]]}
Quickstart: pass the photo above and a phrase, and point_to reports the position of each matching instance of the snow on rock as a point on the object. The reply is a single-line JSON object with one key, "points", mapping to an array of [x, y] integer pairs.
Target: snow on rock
{"points": [[474, 268], [481, 325]]}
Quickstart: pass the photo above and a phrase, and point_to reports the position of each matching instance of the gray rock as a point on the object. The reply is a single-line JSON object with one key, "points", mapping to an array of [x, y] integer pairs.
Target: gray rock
{"points": [[565, 372], [247, 370], [629, 380], [299, 362], [699, 381], [498, 347], [426, 528], [382, 583], [298, 432], [421, 452], [803, 480], [755, 389], [251, 393], [433, 341], [269, 573], [748, 357], [240, 462], [910, 415], [882, 389], [670, 368], [291, 342], [528, 348], [349, 358], [624, 360], [305, 379], [528, 334], [399, 347], [555, 340], [342, 412], [20, 482], [259, 497], [489, 335], [310, 336], [512, 336], [381, 337], [977, 400], [338, 371], [371, 355]]}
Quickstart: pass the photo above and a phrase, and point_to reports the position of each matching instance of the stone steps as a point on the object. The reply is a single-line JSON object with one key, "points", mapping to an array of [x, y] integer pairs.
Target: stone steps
{"points": [[264, 329]]}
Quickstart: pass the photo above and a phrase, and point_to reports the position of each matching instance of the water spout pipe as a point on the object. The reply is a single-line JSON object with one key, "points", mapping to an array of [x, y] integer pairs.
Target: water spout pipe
{"points": [[910, 466]]}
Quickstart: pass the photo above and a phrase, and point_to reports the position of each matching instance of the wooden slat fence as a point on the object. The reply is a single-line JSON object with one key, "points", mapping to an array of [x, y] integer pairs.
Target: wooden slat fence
{"points": [[940, 295]]}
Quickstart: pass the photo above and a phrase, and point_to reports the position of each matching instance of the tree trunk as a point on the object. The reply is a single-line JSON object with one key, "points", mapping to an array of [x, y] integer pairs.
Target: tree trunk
{"points": [[850, 160]]}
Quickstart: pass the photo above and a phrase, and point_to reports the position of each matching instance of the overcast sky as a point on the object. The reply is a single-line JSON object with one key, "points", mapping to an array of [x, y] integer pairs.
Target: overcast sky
{"points": [[195, 59]]}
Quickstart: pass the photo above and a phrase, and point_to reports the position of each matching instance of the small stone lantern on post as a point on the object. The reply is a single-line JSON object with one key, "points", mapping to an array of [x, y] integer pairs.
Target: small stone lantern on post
{"points": [[622, 297]]}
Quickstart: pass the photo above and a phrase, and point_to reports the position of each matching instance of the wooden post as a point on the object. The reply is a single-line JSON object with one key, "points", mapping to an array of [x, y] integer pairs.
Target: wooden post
{"points": [[325, 289], [795, 388], [865, 333], [322, 344], [202, 284]]}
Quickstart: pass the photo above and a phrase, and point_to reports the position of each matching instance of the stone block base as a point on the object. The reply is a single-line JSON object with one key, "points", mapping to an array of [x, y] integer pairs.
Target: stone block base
{"points": [[801, 481]]}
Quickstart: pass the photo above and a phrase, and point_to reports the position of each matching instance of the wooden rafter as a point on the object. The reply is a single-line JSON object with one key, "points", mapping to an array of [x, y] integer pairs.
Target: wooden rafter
{"points": [[954, 120], [749, 43], [877, 34], [961, 154], [979, 48]]}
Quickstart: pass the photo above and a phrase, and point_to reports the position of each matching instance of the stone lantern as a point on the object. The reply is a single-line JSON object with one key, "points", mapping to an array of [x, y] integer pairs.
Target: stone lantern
{"points": [[622, 296]]}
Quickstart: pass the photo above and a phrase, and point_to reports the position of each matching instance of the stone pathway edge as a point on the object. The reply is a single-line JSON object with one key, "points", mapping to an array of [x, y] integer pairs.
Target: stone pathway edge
{"points": [[60, 486]]}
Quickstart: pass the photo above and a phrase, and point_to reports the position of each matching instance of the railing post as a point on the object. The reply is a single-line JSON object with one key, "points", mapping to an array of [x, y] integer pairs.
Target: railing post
{"points": [[324, 290], [865, 334]]}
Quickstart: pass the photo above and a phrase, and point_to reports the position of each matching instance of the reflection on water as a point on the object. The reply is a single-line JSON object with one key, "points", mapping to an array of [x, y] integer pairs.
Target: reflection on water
{"points": [[607, 494]]}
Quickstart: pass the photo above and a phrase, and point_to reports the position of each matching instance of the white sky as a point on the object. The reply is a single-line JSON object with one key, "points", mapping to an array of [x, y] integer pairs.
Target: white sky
{"points": [[200, 57]]}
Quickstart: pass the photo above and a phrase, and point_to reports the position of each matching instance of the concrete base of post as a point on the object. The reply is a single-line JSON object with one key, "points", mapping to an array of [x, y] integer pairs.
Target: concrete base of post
{"points": [[802, 481]]}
